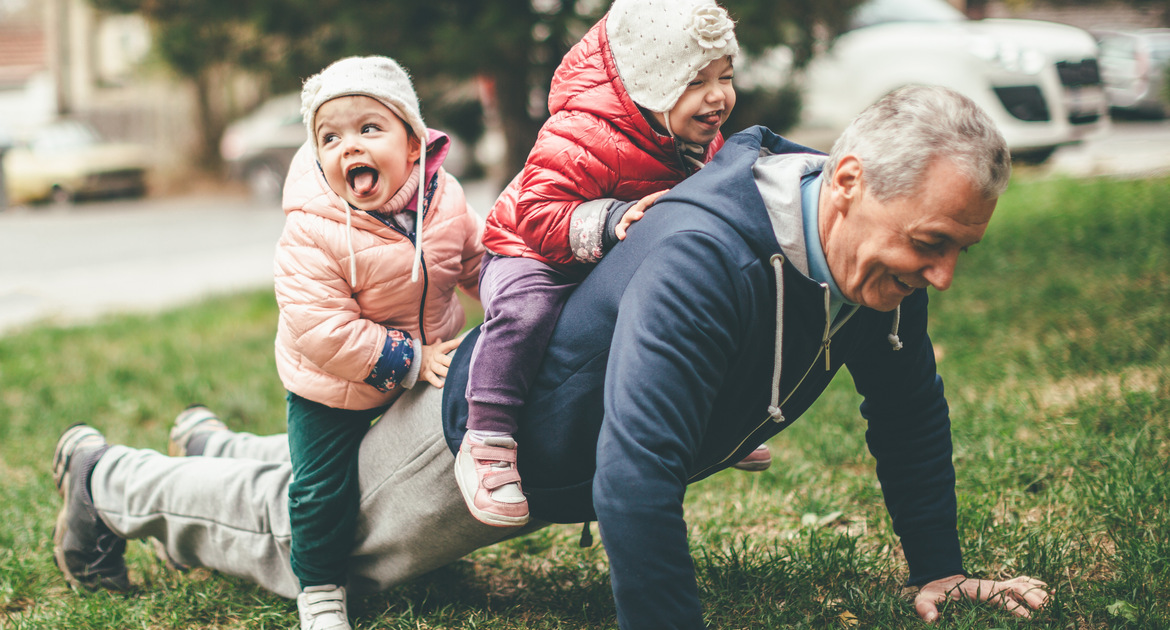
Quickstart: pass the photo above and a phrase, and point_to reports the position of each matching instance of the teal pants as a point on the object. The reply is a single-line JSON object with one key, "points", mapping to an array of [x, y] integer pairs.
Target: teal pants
{"points": [[323, 495]]}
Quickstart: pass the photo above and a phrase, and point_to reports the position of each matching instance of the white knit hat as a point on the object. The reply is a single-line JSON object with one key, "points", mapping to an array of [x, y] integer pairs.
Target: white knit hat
{"points": [[382, 79], [379, 78], [660, 45]]}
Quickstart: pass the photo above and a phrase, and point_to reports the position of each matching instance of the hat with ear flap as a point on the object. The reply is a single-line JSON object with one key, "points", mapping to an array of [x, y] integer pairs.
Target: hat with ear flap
{"points": [[660, 45], [382, 79]]}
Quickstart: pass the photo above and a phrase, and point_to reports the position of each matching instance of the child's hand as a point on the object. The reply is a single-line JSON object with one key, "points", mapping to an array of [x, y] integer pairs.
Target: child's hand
{"points": [[635, 212], [435, 361]]}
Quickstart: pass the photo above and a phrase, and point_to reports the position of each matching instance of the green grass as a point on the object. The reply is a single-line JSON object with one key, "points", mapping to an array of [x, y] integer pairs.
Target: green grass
{"points": [[1054, 343]]}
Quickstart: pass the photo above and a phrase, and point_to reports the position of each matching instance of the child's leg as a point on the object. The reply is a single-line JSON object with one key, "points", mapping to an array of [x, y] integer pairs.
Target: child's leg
{"points": [[522, 301], [323, 494]]}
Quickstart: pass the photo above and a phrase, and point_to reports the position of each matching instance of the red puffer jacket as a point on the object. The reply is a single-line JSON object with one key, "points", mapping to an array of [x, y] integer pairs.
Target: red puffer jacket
{"points": [[596, 145]]}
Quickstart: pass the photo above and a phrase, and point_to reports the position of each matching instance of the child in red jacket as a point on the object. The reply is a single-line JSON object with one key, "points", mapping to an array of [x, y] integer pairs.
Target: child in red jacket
{"points": [[636, 107]]}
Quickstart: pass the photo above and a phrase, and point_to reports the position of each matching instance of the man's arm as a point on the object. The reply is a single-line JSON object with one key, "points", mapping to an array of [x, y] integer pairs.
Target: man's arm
{"points": [[675, 335], [909, 435]]}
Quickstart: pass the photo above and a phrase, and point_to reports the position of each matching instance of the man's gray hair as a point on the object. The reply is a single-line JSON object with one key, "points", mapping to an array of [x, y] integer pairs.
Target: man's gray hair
{"points": [[899, 137]]}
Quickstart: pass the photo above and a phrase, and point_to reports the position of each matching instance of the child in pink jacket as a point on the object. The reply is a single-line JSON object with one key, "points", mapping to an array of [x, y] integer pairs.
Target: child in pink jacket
{"points": [[376, 239]]}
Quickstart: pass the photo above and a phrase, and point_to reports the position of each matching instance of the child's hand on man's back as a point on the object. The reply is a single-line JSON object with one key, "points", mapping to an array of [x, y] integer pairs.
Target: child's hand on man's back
{"points": [[435, 361], [636, 212]]}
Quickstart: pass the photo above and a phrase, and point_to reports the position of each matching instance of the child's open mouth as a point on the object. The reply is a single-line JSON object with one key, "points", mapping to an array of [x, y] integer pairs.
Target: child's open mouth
{"points": [[713, 119], [362, 179]]}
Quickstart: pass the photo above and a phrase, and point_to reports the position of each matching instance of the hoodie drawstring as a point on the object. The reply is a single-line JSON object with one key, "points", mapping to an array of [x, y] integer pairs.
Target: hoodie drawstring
{"points": [[777, 261], [895, 342], [418, 217]]}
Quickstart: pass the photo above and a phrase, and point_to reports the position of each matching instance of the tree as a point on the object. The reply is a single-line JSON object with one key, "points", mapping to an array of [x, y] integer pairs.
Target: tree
{"points": [[512, 46], [200, 40]]}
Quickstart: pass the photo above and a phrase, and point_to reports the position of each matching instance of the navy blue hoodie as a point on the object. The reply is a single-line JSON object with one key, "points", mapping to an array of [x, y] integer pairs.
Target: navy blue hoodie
{"points": [[659, 374]]}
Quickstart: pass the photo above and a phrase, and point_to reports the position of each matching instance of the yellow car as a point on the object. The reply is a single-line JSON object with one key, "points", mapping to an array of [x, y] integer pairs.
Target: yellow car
{"points": [[68, 160]]}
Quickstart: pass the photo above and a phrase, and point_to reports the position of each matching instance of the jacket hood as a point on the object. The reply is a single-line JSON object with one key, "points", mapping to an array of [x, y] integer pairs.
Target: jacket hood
{"points": [[587, 81], [306, 190]]}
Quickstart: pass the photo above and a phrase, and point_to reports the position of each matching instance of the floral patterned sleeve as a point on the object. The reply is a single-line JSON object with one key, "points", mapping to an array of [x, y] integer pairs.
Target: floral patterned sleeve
{"points": [[396, 366], [587, 229]]}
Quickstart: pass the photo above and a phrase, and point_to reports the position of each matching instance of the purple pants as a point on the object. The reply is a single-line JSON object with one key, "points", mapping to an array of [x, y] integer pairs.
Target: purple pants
{"points": [[522, 299]]}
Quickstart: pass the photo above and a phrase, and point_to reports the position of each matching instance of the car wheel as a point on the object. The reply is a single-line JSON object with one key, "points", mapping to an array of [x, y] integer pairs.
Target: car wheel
{"points": [[265, 184], [60, 196]]}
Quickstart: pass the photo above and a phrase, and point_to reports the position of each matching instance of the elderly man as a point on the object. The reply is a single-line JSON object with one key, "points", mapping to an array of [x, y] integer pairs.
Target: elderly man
{"points": [[715, 324]]}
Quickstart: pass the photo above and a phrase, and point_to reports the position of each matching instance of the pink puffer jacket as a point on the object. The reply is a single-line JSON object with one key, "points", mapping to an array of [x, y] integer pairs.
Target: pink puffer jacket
{"points": [[332, 327]]}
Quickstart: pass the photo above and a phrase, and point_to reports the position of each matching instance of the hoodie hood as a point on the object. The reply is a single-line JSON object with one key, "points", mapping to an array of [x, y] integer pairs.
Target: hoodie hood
{"points": [[775, 235]]}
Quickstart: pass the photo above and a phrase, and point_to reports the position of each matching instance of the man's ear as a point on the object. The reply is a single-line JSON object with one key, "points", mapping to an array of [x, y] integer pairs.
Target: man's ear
{"points": [[847, 178]]}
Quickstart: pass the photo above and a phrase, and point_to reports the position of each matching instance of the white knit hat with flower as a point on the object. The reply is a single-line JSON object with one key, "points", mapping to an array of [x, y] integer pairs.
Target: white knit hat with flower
{"points": [[382, 79], [660, 45]]}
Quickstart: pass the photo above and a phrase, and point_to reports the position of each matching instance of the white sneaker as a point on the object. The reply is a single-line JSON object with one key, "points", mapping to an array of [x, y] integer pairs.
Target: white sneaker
{"points": [[323, 608]]}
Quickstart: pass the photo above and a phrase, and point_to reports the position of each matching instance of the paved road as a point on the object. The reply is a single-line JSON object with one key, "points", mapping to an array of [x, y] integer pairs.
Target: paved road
{"points": [[74, 263], [69, 264], [1130, 148]]}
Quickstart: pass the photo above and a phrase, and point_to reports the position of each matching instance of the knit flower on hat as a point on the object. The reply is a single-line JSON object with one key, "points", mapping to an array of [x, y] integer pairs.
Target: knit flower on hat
{"points": [[711, 27]]}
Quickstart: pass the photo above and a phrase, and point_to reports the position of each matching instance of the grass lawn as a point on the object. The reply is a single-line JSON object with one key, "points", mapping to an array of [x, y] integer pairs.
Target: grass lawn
{"points": [[1054, 343]]}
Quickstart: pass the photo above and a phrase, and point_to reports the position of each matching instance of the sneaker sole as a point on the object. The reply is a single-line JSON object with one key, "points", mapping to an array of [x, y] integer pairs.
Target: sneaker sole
{"points": [[59, 529], [487, 518], [184, 428], [63, 453]]}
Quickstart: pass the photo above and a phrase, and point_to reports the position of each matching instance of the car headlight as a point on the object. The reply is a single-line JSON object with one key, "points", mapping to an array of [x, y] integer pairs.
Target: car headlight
{"points": [[1008, 55]]}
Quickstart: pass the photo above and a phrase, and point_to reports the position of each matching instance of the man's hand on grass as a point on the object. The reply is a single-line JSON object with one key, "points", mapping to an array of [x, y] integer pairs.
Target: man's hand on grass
{"points": [[1019, 596]]}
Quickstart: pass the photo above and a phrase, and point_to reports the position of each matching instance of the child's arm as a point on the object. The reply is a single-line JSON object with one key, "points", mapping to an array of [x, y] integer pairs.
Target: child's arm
{"points": [[436, 359], [634, 213], [324, 322], [566, 189]]}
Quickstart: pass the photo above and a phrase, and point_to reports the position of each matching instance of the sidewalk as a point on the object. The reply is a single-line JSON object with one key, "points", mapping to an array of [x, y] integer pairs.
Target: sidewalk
{"points": [[69, 265]]}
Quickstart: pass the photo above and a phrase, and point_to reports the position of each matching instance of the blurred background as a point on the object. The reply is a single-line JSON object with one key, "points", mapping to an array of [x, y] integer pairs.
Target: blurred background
{"points": [[184, 114]]}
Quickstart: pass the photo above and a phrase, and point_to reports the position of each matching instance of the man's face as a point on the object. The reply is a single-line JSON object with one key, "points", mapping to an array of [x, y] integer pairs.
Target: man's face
{"points": [[881, 252], [365, 151]]}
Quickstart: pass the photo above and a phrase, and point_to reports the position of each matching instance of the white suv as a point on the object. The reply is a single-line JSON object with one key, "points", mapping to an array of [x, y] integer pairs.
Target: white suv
{"points": [[1038, 80]]}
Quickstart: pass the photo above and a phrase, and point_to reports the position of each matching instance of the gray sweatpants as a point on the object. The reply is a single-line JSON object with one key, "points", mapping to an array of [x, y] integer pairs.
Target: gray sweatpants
{"points": [[228, 510]]}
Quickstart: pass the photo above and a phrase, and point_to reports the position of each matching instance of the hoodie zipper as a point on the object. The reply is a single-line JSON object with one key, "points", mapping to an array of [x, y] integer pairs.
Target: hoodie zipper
{"points": [[830, 330]]}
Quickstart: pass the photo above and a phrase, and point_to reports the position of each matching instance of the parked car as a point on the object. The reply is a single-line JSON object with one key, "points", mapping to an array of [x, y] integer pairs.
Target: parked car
{"points": [[1038, 81], [1134, 64], [67, 160], [258, 148]]}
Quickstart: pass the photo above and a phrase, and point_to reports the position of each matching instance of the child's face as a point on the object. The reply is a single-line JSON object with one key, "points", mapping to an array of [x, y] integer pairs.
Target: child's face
{"points": [[365, 150], [704, 106]]}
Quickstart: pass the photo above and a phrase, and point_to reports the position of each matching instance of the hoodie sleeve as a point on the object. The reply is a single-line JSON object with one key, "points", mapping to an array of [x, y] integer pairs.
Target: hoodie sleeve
{"points": [[675, 336], [909, 435]]}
